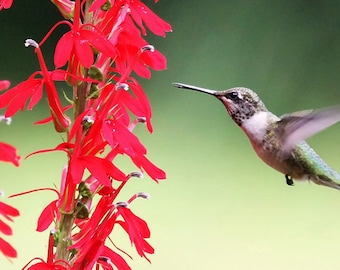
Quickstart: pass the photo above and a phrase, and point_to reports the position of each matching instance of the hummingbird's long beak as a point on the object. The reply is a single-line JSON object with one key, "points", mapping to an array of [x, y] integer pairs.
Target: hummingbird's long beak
{"points": [[195, 88]]}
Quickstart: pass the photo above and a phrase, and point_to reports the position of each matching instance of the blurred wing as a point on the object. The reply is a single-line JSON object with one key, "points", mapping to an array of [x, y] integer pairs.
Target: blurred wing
{"points": [[299, 126]]}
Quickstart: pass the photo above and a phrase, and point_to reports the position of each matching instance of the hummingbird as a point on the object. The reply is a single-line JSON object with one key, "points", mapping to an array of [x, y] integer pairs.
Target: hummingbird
{"points": [[279, 141]]}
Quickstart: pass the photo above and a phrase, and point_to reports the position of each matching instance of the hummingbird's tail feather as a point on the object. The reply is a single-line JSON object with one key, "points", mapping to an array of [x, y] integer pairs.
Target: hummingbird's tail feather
{"points": [[326, 182]]}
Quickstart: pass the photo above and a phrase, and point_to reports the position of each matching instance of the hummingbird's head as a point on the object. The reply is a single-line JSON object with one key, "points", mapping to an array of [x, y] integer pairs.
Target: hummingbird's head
{"points": [[241, 103]]}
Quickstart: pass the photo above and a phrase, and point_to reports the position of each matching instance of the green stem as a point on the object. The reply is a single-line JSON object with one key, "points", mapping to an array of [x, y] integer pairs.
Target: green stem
{"points": [[64, 237], [80, 99]]}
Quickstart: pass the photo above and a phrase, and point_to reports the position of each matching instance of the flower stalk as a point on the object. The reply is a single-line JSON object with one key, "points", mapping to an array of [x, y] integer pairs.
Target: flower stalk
{"points": [[96, 58]]}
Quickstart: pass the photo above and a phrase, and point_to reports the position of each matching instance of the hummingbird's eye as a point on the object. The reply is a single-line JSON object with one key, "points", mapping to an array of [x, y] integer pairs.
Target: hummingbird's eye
{"points": [[233, 96]]}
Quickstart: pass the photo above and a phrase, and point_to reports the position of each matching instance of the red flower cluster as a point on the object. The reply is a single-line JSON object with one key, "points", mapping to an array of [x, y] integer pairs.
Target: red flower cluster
{"points": [[8, 153], [7, 212], [104, 45]]}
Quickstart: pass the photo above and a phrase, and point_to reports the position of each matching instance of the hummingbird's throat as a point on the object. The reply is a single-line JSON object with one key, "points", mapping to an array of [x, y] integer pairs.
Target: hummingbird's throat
{"points": [[231, 109]]}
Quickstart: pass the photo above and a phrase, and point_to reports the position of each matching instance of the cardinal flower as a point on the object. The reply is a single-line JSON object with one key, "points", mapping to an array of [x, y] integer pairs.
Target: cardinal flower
{"points": [[5, 4], [7, 212]]}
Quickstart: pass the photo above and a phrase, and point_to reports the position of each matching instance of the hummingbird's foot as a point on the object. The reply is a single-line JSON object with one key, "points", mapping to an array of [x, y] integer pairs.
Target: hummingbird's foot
{"points": [[289, 180]]}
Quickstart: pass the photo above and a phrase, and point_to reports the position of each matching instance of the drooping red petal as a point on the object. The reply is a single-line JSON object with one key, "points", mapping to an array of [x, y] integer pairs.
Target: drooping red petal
{"points": [[8, 153], [6, 4], [116, 133], [76, 167], [63, 49], [101, 168], [141, 12], [100, 42], [47, 216], [15, 98], [5, 229], [83, 51], [138, 230], [154, 60], [151, 169], [7, 211], [143, 100], [7, 249], [115, 259]]}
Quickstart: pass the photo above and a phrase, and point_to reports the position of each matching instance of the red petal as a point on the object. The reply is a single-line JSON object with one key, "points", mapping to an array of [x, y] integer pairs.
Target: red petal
{"points": [[4, 84], [115, 258], [143, 99], [63, 49], [152, 170], [155, 60], [46, 217], [101, 168], [7, 211], [8, 153], [77, 169], [7, 249], [6, 4], [100, 42], [16, 97], [84, 52], [156, 25], [4, 228]]}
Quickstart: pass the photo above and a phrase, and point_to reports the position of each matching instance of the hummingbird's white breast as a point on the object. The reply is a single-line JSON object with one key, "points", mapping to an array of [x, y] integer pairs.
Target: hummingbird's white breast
{"points": [[256, 126]]}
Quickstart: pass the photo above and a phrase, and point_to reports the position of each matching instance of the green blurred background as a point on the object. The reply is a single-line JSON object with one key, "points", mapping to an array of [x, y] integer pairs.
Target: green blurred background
{"points": [[221, 207]]}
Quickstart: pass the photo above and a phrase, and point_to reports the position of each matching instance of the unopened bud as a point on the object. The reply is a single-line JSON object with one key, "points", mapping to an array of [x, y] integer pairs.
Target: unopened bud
{"points": [[95, 73], [81, 211], [84, 190], [106, 6], [94, 91]]}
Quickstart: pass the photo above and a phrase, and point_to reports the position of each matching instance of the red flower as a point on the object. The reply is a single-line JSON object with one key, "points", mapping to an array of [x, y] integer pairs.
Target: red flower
{"points": [[102, 48], [47, 216], [91, 238], [134, 53], [60, 120], [4, 84], [8, 153], [78, 43], [7, 212], [7, 249], [6, 4], [15, 98], [66, 7], [141, 13], [137, 229], [108, 258]]}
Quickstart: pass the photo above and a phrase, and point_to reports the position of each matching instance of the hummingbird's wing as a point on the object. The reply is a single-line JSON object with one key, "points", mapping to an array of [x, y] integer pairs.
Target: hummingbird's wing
{"points": [[298, 126]]}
